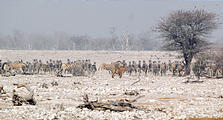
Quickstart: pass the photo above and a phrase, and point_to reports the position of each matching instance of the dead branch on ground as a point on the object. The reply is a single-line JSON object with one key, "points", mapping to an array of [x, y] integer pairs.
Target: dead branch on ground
{"points": [[27, 99], [117, 106]]}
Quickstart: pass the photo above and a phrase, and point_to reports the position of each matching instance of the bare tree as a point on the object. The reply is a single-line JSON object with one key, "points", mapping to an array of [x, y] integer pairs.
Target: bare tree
{"points": [[186, 31], [64, 41], [126, 41], [81, 42], [114, 39]]}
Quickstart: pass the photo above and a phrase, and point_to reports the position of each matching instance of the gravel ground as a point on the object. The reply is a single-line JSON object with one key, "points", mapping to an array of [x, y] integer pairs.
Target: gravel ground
{"points": [[166, 97]]}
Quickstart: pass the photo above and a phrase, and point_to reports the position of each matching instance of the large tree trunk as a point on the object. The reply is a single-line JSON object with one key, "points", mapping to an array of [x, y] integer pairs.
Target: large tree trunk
{"points": [[188, 59]]}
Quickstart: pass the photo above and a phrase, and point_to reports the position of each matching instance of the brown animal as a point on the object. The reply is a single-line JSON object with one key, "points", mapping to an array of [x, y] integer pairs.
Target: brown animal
{"points": [[66, 67], [163, 69], [37, 67], [44, 68], [106, 66], [179, 69], [18, 67], [109, 67], [173, 68], [118, 71]]}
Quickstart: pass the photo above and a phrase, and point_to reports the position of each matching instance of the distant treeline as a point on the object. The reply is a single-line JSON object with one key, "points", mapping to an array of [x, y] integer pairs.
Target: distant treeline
{"points": [[61, 41]]}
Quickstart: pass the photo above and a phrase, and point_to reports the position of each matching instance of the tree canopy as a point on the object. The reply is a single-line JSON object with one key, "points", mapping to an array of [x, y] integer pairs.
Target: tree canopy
{"points": [[187, 32]]}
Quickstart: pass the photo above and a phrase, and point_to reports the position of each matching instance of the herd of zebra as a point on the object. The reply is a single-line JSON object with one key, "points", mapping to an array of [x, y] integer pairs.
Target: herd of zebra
{"points": [[154, 67], [86, 68], [175, 68], [76, 68]]}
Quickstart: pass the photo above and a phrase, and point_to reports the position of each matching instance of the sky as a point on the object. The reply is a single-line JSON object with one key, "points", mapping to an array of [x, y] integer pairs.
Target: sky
{"points": [[95, 18]]}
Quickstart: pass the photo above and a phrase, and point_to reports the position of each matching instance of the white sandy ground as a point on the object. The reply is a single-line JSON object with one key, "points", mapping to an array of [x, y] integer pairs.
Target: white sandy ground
{"points": [[165, 97]]}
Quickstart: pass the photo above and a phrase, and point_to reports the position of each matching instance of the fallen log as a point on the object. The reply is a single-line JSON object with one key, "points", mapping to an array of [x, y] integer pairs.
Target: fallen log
{"points": [[27, 73], [62, 76], [117, 106], [132, 92], [219, 77], [27, 99], [194, 81]]}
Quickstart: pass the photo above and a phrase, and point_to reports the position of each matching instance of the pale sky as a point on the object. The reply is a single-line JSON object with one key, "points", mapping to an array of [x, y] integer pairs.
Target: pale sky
{"points": [[95, 17]]}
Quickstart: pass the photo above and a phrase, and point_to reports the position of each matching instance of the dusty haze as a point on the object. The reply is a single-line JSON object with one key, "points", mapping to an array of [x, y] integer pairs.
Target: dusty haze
{"points": [[94, 17]]}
